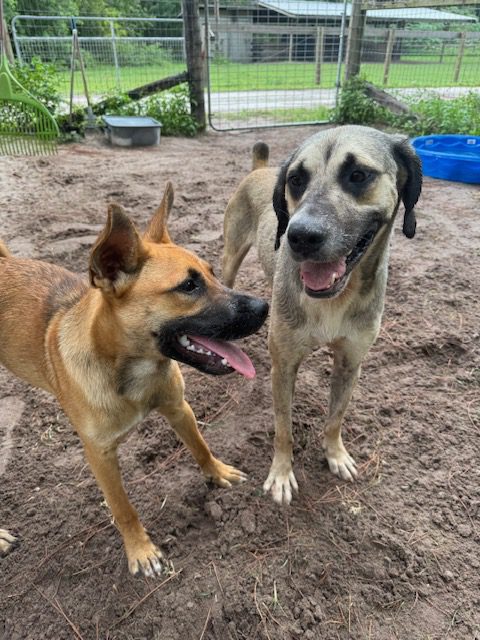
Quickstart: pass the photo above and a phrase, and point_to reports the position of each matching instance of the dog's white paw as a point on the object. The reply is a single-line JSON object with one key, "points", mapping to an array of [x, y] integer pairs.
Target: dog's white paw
{"points": [[340, 461], [7, 542], [148, 560], [281, 480]]}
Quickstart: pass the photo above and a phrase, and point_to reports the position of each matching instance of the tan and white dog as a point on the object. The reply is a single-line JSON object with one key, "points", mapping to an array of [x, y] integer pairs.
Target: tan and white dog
{"points": [[322, 226]]}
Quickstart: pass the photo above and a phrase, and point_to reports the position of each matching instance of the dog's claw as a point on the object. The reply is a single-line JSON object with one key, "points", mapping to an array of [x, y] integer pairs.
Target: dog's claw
{"points": [[281, 480], [149, 562], [223, 474]]}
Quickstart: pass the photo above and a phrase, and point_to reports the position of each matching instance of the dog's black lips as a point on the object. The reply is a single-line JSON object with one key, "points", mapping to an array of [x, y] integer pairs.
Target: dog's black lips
{"points": [[351, 260], [240, 318]]}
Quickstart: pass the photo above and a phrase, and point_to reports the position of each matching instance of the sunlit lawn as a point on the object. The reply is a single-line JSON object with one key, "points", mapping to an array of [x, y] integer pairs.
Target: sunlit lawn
{"points": [[230, 76]]}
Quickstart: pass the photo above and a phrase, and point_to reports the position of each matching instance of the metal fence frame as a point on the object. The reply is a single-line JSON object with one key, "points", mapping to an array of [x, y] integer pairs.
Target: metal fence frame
{"points": [[397, 53], [114, 38]]}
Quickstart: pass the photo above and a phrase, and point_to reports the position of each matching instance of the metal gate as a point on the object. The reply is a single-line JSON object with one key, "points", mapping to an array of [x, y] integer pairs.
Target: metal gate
{"points": [[280, 62], [274, 63], [119, 53]]}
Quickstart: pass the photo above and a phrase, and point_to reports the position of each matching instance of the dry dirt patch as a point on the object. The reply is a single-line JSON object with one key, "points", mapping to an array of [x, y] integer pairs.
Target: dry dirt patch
{"points": [[393, 556]]}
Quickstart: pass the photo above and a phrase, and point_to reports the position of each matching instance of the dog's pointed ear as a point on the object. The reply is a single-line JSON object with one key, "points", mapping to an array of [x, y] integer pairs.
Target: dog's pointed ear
{"points": [[409, 182], [280, 202], [117, 255], [157, 229]]}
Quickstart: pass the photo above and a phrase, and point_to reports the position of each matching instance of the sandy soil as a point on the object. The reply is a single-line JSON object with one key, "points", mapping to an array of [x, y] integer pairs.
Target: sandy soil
{"points": [[393, 556]]}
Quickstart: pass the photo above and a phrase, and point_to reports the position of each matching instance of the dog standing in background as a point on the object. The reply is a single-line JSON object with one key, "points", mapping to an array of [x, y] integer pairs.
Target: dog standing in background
{"points": [[108, 349], [322, 226]]}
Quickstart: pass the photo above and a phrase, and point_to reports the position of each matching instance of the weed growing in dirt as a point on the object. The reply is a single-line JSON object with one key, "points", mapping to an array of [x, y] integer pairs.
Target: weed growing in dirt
{"points": [[430, 113]]}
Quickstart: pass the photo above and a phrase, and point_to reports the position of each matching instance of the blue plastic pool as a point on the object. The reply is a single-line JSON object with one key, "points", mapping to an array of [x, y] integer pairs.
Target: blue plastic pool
{"points": [[450, 157]]}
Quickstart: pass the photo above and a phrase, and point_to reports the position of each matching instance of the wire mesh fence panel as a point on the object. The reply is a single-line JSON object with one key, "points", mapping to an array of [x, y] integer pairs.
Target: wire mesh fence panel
{"points": [[405, 50], [119, 54], [272, 63], [280, 61]]}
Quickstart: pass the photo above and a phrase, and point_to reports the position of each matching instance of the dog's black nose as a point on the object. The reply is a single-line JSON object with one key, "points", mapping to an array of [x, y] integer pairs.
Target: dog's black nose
{"points": [[260, 309], [251, 314], [303, 240]]}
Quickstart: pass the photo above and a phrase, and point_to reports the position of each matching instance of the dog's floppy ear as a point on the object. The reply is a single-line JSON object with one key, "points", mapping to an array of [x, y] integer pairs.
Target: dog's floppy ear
{"points": [[280, 202], [157, 229], [409, 183], [118, 254]]}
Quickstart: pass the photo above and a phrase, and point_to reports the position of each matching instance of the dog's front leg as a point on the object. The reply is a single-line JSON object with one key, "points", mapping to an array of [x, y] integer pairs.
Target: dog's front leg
{"points": [[347, 358], [143, 556], [286, 358], [183, 421], [7, 542]]}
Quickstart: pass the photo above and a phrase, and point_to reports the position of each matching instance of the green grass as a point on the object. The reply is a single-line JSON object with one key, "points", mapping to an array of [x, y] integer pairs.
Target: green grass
{"points": [[230, 76], [237, 77], [102, 79], [280, 116]]}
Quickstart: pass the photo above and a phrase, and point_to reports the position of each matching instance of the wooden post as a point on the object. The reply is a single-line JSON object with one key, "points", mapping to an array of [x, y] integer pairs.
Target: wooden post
{"points": [[318, 54], [290, 48], [7, 43], [195, 60], [461, 50], [388, 55], [442, 51], [355, 38]]}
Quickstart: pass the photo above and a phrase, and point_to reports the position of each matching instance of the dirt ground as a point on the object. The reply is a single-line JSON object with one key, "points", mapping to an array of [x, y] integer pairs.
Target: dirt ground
{"points": [[393, 556]]}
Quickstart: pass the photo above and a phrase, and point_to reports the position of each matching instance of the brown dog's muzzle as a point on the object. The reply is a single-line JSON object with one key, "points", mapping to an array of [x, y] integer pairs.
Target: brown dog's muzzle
{"points": [[203, 340]]}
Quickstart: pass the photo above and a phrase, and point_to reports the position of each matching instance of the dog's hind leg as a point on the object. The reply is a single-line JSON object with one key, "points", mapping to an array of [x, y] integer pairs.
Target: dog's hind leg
{"points": [[238, 236], [232, 262], [7, 542], [347, 358]]}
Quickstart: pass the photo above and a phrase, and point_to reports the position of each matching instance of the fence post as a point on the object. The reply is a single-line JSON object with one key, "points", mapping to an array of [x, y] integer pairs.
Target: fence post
{"points": [[195, 60], [388, 55], [7, 43], [461, 50], [318, 54], [290, 48], [442, 51], [115, 55], [355, 38]]}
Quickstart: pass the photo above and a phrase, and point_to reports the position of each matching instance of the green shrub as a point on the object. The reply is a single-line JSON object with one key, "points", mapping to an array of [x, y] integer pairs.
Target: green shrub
{"points": [[171, 108], [354, 107], [39, 79], [430, 113]]}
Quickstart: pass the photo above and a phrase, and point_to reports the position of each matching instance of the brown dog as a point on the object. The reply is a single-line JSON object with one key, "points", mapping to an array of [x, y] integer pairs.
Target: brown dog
{"points": [[107, 349], [322, 226]]}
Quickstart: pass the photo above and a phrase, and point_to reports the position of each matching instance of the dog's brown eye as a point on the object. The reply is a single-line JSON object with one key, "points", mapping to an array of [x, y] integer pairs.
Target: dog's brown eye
{"points": [[358, 176], [188, 286], [295, 181]]}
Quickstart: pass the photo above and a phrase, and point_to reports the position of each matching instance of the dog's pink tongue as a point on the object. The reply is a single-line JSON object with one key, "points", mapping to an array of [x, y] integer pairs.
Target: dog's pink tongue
{"points": [[235, 357], [319, 276]]}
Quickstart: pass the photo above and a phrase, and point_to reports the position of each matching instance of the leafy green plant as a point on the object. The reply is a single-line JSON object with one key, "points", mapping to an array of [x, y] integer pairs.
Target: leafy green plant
{"points": [[171, 108], [354, 106], [437, 115], [40, 80], [430, 113]]}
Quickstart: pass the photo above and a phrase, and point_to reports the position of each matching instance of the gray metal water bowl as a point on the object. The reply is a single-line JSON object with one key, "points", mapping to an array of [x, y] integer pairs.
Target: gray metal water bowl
{"points": [[132, 131]]}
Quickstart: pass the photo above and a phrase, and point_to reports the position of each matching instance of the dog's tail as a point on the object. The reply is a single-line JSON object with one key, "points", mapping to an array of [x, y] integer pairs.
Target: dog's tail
{"points": [[260, 155], [4, 252]]}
